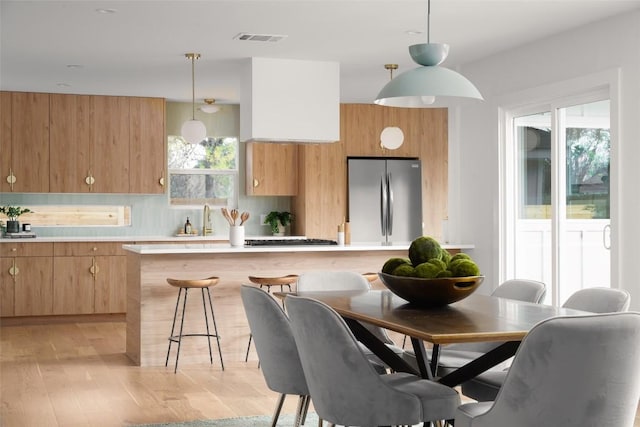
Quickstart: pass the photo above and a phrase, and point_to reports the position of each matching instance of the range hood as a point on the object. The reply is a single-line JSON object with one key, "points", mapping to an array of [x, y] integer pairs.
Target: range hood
{"points": [[288, 100]]}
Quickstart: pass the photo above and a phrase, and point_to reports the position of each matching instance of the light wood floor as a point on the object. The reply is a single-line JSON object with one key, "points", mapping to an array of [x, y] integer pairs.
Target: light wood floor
{"points": [[76, 374]]}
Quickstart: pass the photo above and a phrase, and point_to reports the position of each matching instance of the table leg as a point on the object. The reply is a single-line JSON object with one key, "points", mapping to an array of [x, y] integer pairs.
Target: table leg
{"points": [[421, 358], [378, 348], [481, 364]]}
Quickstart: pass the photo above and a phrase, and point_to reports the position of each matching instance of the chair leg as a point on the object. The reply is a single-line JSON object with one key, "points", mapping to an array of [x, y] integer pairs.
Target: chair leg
{"points": [[300, 411], [206, 322], [246, 356], [215, 328], [184, 307], [173, 325], [305, 410], [276, 414]]}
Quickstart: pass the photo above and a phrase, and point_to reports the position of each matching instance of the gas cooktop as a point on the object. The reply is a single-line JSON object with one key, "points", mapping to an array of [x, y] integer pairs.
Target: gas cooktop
{"points": [[288, 242]]}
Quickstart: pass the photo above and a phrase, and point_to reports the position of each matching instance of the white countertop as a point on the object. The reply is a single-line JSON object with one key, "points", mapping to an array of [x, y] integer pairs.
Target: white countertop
{"points": [[132, 239], [219, 248]]}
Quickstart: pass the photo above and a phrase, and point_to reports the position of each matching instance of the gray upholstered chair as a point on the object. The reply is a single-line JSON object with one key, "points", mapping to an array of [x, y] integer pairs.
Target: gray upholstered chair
{"points": [[345, 389], [276, 348], [317, 281], [485, 386], [571, 371], [453, 356]]}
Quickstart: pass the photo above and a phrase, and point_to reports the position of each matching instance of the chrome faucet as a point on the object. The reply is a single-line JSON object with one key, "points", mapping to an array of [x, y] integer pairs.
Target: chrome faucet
{"points": [[207, 228]]}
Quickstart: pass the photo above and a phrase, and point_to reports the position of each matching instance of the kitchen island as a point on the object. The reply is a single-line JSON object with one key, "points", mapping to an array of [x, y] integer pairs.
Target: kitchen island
{"points": [[151, 300]]}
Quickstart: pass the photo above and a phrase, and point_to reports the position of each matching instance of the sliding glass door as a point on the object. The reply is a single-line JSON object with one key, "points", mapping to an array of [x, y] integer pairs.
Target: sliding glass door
{"points": [[558, 210]]}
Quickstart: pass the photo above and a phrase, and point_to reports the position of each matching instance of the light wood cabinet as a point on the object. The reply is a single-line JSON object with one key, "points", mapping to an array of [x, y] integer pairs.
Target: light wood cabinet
{"points": [[70, 141], [148, 147], [365, 122], [25, 137], [110, 150], [89, 278], [27, 279], [271, 169]]}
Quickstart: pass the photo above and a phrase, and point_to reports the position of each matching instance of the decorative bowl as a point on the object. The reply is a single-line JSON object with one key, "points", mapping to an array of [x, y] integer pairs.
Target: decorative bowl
{"points": [[431, 292]]}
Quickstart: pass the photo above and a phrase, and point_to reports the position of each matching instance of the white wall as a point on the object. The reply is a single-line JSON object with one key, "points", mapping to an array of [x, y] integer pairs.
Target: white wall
{"points": [[596, 48]]}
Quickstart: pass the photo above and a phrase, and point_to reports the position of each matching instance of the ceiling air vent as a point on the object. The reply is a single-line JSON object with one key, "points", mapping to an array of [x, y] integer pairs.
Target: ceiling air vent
{"points": [[259, 37]]}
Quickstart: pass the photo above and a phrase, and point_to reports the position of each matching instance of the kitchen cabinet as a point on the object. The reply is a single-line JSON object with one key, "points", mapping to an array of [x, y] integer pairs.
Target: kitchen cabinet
{"points": [[271, 169], [70, 141], [25, 142], [321, 203], [26, 284], [90, 278], [364, 124], [89, 144], [148, 145]]}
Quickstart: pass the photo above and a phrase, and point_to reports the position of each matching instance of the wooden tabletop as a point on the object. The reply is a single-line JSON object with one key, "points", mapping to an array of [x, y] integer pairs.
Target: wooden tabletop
{"points": [[475, 318]]}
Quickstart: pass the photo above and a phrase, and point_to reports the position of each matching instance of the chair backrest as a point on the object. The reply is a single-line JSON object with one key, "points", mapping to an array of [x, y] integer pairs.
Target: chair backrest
{"points": [[344, 386], [599, 300], [318, 281], [313, 281], [521, 290], [573, 371], [274, 342]]}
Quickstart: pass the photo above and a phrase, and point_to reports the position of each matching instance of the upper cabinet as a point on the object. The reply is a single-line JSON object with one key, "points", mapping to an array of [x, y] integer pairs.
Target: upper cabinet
{"points": [[271, 169], [99, 144], [365, 122], [148, 145], [25, 139]]}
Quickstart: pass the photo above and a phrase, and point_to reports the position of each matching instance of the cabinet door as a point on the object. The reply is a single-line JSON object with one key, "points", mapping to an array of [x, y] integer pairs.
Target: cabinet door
{"points": [[272, 169], [30, 142], [5, 140], [110, 151], [362, 126], [147, 152], [74, 285], [33, 291], [70, 139], [111, 284], [6, 287]]}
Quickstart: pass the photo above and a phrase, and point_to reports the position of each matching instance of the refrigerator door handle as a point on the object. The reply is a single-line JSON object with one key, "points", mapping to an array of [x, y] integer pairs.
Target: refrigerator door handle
{"points": [[389, 206], [383, 207]]}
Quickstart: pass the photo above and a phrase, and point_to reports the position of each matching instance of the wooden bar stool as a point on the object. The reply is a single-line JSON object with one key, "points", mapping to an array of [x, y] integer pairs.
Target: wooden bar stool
{"points": [[185, 285], [281, 281]]}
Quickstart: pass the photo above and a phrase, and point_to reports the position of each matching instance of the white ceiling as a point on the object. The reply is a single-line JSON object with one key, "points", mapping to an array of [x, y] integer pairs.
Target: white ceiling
{"points": [[139, 50]]}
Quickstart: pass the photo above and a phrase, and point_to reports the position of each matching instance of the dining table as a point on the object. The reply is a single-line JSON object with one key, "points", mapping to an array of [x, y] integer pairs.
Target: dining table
{"points": [[477, 318]]}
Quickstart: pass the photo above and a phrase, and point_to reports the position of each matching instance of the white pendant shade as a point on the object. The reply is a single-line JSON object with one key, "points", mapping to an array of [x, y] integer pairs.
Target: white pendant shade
{"points": [[193, 131], [423, 86]]}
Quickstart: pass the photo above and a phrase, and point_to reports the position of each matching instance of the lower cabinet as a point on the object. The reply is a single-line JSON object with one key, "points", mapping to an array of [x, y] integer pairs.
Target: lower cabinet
{"points": [[26, 279], [40, 279]]}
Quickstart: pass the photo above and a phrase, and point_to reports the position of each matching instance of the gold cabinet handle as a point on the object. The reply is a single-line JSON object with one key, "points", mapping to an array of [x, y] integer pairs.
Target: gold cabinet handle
{"points": [[94, 249], [11, 179], [94, 270], [14, 270], [161, 181], [256, 182], [14, 249], [89, 180]]}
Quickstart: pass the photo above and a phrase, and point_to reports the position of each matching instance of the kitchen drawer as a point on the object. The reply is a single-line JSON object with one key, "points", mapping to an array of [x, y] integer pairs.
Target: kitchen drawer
{"points": [[89, 248], [23, 249]]}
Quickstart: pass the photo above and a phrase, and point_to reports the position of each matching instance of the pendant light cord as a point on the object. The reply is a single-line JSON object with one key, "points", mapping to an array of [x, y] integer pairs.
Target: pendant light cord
{"points": [[193, 87], [428, 20]]}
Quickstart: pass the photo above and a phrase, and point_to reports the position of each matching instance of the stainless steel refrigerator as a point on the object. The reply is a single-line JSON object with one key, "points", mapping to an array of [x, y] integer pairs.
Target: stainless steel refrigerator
{"points": [[385, 200]]}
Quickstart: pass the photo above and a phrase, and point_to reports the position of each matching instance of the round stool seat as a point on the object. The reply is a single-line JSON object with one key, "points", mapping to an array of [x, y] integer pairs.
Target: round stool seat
{"points": [[193, 283], [275, 281]]}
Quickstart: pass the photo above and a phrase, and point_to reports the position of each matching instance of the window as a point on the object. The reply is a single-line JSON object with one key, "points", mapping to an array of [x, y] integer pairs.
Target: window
{"points": [[203, 173]]}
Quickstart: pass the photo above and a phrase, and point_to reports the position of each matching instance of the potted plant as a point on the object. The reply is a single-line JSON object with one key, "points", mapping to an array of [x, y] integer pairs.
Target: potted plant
{"points": [[278, 221], [13, 212]]}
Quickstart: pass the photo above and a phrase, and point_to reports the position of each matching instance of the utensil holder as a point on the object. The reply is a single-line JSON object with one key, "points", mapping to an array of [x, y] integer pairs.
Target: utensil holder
{"points": [[236, 235]]}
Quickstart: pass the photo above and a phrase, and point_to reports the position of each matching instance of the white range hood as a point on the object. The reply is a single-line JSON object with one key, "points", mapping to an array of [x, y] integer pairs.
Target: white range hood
{"points": [[287, 100]]}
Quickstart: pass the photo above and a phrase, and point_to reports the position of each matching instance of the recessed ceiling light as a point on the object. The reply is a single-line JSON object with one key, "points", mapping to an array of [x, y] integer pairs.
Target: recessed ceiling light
{"points": [[106, 11], [63, 85], [74, 66], [414, 32]]}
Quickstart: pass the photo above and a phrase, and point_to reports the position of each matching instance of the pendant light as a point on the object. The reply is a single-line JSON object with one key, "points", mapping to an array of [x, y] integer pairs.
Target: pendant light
{"points": [[209, 106], [425, 86], [193, 131], [391, 137]]}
